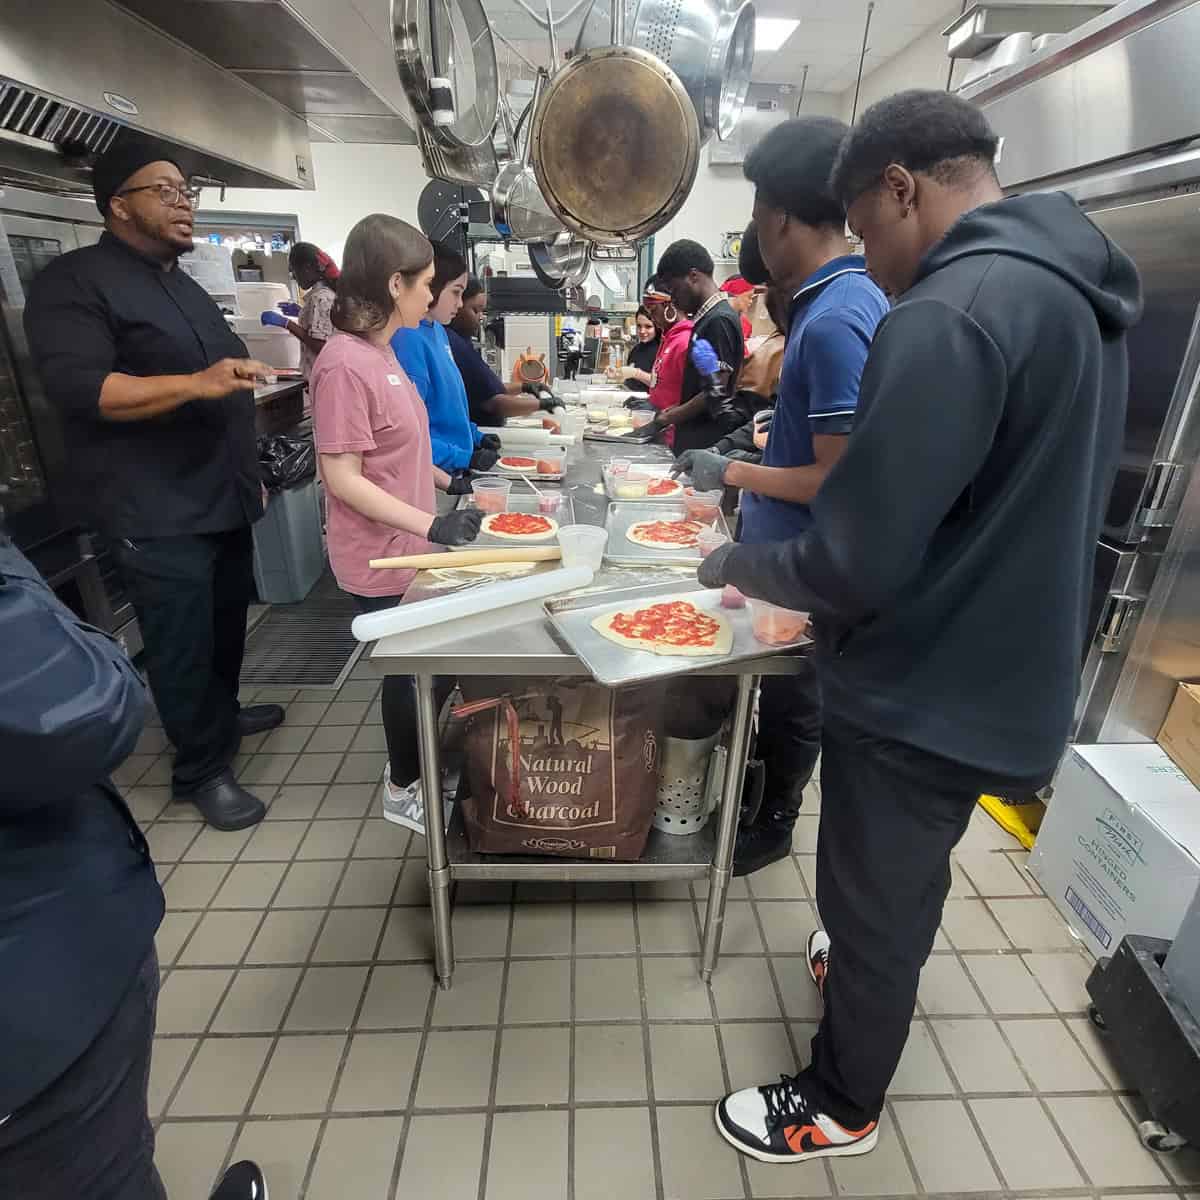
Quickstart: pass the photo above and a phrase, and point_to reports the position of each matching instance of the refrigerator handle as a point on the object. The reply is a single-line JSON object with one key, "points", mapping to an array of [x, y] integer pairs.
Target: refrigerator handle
{"points": [[1114, 621], [1160, 495]]}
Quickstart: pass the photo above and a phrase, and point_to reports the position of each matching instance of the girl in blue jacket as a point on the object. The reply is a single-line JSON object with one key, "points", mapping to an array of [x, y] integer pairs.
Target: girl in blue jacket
{"points": [[424, 353]]}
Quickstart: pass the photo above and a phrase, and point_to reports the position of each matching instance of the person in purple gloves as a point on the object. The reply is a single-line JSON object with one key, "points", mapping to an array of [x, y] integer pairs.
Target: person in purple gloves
{"points": [[317, 274]]}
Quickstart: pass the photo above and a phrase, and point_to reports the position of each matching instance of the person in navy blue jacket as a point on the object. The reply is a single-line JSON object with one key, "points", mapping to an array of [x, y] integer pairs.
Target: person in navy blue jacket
{"points": [[79, 908], [428, 361]]}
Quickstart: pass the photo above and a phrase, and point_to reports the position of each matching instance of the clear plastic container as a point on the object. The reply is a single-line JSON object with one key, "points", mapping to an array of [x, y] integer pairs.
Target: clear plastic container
{"points": [[491, 495], [641, 417], [775, 626], [707, 540], [703, 506], [550, 462], [619, 466], [550, 504], [582, 545], [630, 485]]}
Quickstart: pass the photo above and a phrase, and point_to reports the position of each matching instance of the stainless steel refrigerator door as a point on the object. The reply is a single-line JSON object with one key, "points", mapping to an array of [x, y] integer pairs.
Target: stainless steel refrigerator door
{"points": [[1162, 428]]}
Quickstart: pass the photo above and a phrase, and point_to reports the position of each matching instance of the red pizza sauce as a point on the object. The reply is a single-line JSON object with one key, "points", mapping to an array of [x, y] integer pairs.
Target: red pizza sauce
{"points": [[677, 533], [662, 487], [676, 623], [519, 463], [521, 523]]}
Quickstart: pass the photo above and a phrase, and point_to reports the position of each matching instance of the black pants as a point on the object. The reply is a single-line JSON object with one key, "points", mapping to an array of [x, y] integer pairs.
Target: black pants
{"points": [[88, 1135], [399, 706], [191, 594], [890, 815], [789, 738]]}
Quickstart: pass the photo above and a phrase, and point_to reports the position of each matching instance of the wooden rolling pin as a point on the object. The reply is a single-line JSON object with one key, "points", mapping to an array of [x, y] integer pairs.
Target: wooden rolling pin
{"points": [[469, 558]]}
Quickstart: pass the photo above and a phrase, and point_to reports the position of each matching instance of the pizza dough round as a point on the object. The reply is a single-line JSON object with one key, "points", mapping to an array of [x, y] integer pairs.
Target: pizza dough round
{"points": [[722, 641], [635, 533], [675, 489], [498, 570], [489, 521]]}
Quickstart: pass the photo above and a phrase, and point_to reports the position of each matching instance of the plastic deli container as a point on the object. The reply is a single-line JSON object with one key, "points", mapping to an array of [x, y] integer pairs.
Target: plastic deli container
{"points": [[703, 506], [582, 545], [630, 485], [775, 626], [550, 463], [550, 504], [642, 417], [707, 540], [491, 495]]}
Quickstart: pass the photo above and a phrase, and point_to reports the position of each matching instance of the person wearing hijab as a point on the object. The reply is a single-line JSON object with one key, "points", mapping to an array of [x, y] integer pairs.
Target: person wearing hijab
{"points": [[157, 399], [638, 372], [317, 275]]}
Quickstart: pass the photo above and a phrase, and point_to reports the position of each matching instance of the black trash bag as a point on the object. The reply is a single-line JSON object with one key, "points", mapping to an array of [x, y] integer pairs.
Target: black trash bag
{"points": [[285, 461]]}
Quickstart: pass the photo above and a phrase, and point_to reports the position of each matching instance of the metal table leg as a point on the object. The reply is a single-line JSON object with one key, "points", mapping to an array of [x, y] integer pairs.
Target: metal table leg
{"points": [[731, 801], [435, 828]]}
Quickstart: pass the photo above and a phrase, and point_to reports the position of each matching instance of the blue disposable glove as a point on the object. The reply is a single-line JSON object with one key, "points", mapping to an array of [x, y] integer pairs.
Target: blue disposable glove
{"points": [[706, 469], [271, 317], [705, 357], [290, 307]]}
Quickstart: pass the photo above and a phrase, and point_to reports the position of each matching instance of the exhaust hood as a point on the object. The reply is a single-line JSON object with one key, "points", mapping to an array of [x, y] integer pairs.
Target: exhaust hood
{"points": [[74, 77]]}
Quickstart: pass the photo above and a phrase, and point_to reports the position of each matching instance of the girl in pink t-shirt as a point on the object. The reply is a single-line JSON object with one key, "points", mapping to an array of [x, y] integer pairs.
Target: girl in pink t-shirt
{"points": [[372, 438]]}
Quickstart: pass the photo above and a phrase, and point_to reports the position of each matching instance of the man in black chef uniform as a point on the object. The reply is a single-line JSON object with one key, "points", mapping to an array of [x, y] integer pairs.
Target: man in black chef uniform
{"points": [[156, 394]]}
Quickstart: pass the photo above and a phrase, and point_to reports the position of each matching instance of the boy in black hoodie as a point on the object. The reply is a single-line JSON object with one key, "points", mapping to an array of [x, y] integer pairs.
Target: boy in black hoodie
{"points": [[948, 568]]}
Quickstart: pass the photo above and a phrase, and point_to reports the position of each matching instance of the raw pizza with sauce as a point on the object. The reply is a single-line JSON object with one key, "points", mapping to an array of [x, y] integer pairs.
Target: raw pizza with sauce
{"points": [[664, 535], [667, 626], [517, 462], [519, 527], [664, 487]]}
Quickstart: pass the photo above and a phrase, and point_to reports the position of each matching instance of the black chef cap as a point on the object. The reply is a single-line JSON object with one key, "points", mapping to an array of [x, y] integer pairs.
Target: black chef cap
{"points": [[123, 159]]}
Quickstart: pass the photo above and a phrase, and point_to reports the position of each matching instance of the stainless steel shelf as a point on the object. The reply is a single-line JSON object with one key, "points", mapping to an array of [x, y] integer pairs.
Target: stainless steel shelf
{"points": [[665, 857]]}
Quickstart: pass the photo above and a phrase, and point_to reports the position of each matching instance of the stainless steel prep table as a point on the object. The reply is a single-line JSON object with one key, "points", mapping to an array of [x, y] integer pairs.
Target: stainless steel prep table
{"points": [[530, 648]]}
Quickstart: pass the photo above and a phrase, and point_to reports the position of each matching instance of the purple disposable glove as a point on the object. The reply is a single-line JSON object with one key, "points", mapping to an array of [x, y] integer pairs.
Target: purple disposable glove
{"points": [[271, 317], [290, 307]]}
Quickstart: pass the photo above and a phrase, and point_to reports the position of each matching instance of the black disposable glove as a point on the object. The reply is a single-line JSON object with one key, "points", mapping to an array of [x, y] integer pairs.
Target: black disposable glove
{"points": [[706, 469], [484, 458], [548, 402], [764, 424], [532, 389], [712, 568], [460, 484], [490, 441], [455, 528]]}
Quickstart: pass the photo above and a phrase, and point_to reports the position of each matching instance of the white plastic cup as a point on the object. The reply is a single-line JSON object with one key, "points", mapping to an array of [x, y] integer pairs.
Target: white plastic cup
{"points": [[582, 545], [707, 540], [491, 494]]}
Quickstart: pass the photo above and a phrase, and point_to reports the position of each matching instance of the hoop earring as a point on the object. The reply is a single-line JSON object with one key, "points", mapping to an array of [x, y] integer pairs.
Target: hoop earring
{"points": [[671, 314]]}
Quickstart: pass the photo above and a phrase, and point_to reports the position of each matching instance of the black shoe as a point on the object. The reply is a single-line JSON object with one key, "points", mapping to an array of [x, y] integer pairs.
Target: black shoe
{"points": [[760, 846], [243, 1181], [258, 718], [225, 804]]}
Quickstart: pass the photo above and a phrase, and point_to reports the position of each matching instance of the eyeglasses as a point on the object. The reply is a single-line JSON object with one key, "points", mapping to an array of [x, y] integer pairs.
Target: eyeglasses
{"points": [[168, 194]]}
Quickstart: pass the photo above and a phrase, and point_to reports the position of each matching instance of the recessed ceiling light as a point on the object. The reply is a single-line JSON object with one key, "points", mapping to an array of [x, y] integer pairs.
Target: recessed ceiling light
{"points": [[771, 32]]}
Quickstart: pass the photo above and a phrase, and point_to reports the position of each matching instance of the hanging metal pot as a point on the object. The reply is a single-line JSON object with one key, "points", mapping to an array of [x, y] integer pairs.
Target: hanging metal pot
{"points": [[615, 145], [709, 44], [562, 263]]}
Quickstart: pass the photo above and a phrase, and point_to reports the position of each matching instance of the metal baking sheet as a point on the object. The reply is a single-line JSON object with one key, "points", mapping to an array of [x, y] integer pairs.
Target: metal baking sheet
{"points": [[614, 665], [622, 552], [527, 452], [522, 500], [655, 471], [635, 437]]}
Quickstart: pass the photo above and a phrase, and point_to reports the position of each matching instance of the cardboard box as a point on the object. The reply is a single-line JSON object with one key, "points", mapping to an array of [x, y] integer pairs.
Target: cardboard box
{"points": [[1118, 849], [1180, 734]]}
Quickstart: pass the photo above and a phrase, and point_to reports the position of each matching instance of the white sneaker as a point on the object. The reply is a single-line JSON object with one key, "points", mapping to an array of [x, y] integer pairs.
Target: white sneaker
{"points": [[406, 805]]}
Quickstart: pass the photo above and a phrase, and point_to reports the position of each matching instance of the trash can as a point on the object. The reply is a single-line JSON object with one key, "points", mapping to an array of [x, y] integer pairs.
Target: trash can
{"points": [[289, 557]]}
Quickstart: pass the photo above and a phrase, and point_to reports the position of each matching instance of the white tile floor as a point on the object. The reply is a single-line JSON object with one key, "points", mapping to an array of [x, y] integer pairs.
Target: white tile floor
{"points": [[578, 1055]]}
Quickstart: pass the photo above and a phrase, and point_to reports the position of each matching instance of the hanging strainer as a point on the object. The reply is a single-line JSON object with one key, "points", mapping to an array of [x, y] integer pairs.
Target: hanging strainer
{"points": [[709, 44]]}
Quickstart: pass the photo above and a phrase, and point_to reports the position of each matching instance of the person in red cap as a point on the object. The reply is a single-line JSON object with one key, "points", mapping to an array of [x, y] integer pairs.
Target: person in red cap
{"points": [[740, 293]]}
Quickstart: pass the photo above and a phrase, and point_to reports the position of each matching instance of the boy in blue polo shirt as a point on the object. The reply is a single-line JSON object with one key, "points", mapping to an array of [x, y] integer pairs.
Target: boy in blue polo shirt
{"points": [[832, 310]]}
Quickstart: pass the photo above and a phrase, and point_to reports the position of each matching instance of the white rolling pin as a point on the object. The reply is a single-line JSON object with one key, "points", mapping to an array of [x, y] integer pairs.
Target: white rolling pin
{"points": [[516, 435], [404, 618]]}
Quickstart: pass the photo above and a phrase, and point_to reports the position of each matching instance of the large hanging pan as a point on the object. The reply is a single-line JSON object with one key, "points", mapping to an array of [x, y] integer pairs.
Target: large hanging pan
{"points": [[562, 263], [449, 40], [709, 44], [615, 145]]}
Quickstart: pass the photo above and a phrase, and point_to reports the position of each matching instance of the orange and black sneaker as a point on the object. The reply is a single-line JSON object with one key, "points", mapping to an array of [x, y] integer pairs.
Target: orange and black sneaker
{"points": [[818, 958], [778, 1123]]}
